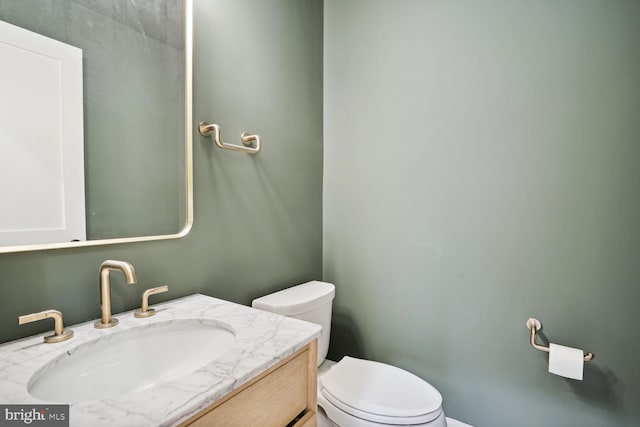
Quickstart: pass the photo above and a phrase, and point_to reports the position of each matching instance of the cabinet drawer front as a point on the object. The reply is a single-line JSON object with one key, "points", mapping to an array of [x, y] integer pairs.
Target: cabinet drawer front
{"points": [[309, 420], [273, 400]]}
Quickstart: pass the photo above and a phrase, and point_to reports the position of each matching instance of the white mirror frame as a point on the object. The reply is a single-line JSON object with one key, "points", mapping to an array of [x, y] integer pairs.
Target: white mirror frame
{"points": [[188, 28]]}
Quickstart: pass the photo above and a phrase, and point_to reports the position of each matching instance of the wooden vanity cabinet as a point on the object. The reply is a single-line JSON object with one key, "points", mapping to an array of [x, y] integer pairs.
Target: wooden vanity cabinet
{"points": [[284, 395]]}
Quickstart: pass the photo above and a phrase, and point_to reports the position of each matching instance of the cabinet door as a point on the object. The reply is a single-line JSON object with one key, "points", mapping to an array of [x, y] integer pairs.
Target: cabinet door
{"points": [[274, 399]]}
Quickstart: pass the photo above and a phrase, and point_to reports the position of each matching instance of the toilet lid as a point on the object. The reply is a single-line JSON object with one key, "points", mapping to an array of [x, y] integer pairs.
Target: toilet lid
{"points": [[381, 393]]}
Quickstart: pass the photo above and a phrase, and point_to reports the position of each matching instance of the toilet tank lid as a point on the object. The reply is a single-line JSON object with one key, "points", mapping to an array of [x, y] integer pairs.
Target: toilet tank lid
{"points": [[297, 299]]}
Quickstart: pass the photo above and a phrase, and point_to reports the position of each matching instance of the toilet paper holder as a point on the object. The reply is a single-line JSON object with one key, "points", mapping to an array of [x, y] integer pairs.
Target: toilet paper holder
{"points": [[534, 326]]}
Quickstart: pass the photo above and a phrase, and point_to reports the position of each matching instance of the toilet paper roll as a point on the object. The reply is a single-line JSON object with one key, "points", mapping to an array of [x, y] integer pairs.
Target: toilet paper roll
{"points": [[566, 361]]}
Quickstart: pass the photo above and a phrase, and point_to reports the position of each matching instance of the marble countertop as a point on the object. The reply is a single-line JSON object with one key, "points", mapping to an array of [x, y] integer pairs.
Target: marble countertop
{"points": [[262, 340]]}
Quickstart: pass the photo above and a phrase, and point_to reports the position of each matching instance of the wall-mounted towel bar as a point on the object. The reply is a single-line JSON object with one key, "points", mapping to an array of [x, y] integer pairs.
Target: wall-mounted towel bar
{"points": [[207, 129], [534, 326]]}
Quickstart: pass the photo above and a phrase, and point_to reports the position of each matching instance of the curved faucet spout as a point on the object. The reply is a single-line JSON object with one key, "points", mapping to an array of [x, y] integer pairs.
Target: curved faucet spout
{"points": [[105, 289], [126, 268]]}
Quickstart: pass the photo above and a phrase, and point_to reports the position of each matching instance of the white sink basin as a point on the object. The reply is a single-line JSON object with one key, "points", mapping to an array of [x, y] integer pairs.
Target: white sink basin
{"points": [[131, 360]]}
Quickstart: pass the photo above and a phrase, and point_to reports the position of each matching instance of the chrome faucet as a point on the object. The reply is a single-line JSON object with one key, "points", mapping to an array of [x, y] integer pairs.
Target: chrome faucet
{"points": [[105, 289]]}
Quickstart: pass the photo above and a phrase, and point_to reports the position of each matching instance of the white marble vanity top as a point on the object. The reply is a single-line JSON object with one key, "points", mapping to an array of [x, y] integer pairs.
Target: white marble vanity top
{"points": [[262, 340]]}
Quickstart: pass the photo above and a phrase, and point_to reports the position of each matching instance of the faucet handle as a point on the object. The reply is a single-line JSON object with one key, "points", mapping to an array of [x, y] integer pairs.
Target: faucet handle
{"points": [[144, 310], [59, 333]]}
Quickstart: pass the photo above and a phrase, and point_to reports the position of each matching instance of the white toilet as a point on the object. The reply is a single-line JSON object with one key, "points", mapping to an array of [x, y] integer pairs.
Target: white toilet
{"points": [[355, 392]]}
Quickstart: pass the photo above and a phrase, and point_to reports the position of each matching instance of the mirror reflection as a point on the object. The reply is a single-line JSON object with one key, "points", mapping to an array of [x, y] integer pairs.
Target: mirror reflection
{"points": [[108, 129]]}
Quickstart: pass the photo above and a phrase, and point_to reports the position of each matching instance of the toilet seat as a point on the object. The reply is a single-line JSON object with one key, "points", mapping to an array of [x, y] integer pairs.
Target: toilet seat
{"points": [[380, 393]]}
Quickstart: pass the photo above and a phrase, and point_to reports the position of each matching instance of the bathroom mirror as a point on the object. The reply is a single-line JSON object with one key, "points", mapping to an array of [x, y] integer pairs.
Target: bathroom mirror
{"points": [[135, 114]]}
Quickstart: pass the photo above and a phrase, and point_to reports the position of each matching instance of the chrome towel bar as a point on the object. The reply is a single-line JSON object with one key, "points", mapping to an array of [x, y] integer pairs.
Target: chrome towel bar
{"points": [[247, 140], [534, 326]]}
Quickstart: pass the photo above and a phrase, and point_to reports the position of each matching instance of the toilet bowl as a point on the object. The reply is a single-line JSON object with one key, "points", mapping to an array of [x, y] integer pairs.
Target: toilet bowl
{"points": [[356, 392]]}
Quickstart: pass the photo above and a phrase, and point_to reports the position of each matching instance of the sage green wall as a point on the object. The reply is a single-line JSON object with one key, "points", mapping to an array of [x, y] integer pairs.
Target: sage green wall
{"points": [[481, 167], [258, 226]]}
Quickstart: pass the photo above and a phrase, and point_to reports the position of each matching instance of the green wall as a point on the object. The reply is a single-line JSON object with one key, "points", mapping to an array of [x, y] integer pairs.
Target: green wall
{"points": [[258, 219], [481, 167]]}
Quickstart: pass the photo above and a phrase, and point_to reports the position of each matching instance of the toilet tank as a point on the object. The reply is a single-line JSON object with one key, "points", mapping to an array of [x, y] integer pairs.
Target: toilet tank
{"points": [[311, 301]]}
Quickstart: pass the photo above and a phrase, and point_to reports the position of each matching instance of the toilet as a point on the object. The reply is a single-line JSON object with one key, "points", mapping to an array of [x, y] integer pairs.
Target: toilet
{"points": [[356, 392]]}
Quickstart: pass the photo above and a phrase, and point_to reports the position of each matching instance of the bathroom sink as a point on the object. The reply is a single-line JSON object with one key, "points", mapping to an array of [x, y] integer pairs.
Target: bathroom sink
{"points": [[131, 360]]}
